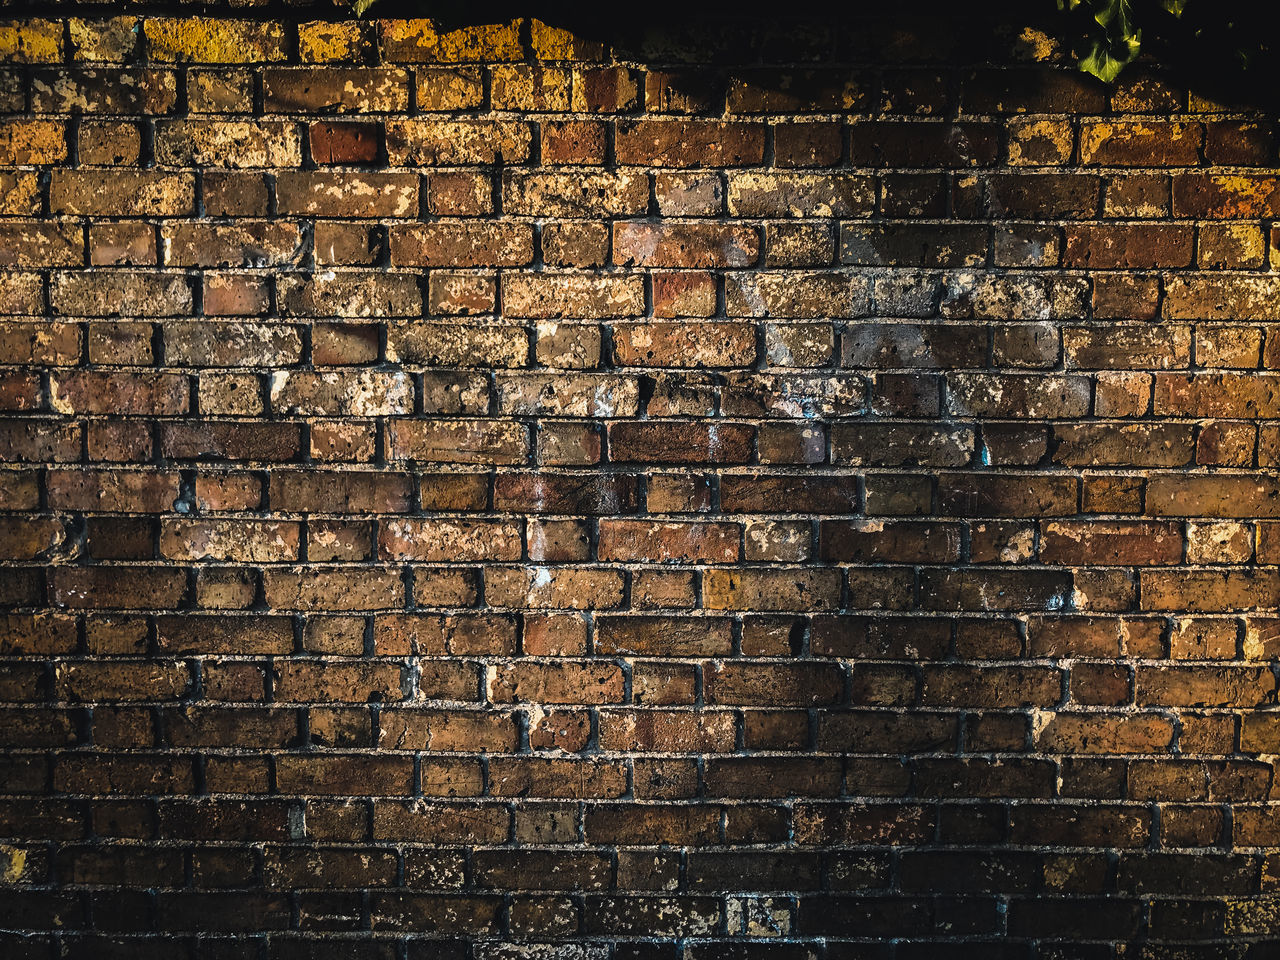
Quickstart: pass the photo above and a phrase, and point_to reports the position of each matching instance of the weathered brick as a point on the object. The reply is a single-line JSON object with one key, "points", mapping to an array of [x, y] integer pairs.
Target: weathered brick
{"points": [[458, 344], [333, 89], [1118, 542], [689, 143], [797, 295], [350, 294], [462, 244], [100, 392], [582, 194], [230, 143], [344, 195], [1011, 395], [39, 41], [32, 142], [250, 244], [419, 41], [891, 143], [684, 344], [1127, 247], [37, 243], [99, 90], [1141, 143], [364, 393], [122, 193], [549, 295], [214, 41], [684, 245], [457, 142], [800, 195]]}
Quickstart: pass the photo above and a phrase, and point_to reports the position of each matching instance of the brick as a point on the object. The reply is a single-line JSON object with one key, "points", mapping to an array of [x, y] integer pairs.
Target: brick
{"points": [[229, 540], [1140, 143], [800, 195], [332, 589], [214, 41], [32, 142], [896, 245], [342, 195], [350, 294], [684, 245], [1017, 396], [122, 193], [1130, 346], [342, 394], [457, 142], [1122, 444], [19, 193], [251, 244], [689, 143], [1040, 142], [97, 90], [556, 681], [550, 296], [680, 443], [355, 143], [1225, 196], [684, 344], [1127, 247], [34, 42], [444, 541], [334, 89], [640, 541], [458, 344], [575, 195], [475, 441], [462, 244], [554, 588], [418, 41], [230, 440], [908, 144], [35, 243], [1122, 543], [231, 143], [100, 392]]}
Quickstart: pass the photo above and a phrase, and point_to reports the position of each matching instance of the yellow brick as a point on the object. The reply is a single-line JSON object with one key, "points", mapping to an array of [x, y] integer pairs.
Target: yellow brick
{"points": [[323, 42], [214, 41], [32, 142], [104, 41], [555, 43], [30, 41], [418, 41]]}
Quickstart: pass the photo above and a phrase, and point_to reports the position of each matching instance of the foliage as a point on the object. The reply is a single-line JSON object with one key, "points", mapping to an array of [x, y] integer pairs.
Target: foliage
{"points": [[1114, 39]]}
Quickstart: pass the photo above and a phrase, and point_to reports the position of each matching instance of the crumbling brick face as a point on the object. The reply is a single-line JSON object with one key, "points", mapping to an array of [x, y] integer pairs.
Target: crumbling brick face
{"points": [[481, 494]]}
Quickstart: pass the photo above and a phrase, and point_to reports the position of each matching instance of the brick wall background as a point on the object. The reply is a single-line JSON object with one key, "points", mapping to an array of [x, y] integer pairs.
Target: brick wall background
{"points": [[769, 492]]}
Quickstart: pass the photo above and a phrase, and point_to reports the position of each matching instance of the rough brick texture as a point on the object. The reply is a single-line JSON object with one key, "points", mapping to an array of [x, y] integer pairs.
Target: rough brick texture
{"points": [[758, 493]]}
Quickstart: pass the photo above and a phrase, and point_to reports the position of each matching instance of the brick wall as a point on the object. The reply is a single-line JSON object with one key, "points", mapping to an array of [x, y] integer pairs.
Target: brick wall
{"points": [[468, 492]]}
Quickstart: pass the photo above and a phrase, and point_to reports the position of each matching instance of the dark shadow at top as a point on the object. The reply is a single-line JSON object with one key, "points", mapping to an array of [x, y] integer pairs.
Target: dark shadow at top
{"points": [[1200, 52]]}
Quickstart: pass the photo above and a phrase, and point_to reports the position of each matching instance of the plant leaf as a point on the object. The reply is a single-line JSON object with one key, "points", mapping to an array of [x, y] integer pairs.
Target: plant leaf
{"points": [[360, 6], [1105, 60]]}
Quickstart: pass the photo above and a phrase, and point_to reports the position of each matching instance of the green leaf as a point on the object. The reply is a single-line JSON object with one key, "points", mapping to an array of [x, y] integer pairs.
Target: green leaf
{"points": [[1106, 60], [360, 6], [1115, 15], [1173, 6]]}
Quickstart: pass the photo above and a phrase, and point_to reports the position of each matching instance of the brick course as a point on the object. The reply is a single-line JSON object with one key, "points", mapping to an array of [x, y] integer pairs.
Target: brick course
{"points": [[478, 493]]}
